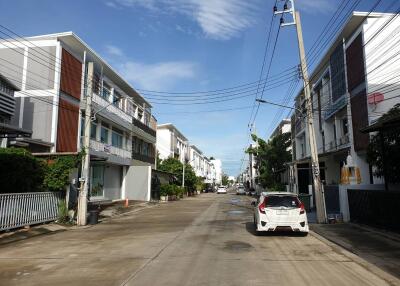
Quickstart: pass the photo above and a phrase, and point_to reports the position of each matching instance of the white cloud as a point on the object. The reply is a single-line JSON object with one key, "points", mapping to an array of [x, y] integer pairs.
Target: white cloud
{"points": [[218, 19], [155, 76], [114, 51], [158, 76]]}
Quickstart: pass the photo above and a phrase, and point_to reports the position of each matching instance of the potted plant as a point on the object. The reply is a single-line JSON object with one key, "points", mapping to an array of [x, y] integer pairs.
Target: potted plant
{"points": [[164, 190]]}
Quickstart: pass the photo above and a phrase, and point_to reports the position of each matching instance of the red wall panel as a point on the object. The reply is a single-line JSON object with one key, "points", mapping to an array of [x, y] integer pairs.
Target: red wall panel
{"points": [[67, 131], [71, 75]]}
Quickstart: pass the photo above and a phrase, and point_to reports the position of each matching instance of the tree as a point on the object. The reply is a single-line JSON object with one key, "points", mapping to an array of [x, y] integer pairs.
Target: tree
{"points": [[174, 166], [385, 147], [225, 180], [270, 158]]}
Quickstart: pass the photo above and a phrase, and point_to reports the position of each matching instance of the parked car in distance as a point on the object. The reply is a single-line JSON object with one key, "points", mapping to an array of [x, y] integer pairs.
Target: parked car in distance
{"points": [[221, 190], [280, 211], [240, 191]]}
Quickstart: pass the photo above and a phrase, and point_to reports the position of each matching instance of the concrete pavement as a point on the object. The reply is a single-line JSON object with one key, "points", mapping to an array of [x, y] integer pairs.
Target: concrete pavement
{"points": [[206, 240]]}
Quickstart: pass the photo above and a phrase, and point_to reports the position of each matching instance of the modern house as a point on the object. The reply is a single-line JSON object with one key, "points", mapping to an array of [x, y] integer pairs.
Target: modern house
{"points": [[51, 75], [172, 143], [217, 163], [352, 86]]}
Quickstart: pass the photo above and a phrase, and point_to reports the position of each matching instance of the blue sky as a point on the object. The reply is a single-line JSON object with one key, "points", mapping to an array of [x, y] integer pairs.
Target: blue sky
{"points": [[184, 45]]}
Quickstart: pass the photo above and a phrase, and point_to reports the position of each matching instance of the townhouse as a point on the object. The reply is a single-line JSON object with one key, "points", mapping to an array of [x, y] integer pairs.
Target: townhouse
{"points": [[171, 143], [352, 86], [51, 75]]}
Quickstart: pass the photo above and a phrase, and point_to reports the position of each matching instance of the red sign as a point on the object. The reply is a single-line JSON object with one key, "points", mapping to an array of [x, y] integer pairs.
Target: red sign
{"points": [[375, 98]]}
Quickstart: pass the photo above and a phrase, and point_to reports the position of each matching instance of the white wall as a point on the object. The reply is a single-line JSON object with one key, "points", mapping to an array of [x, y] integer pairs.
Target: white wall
{"points": [[164, 143], [218, 170], [138, 183]]}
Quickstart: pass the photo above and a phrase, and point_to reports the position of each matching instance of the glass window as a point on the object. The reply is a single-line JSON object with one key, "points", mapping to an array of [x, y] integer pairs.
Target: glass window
{"points": [[93, 130], [104, 135], [116, 139], [116, 99], [145, 148], [106, 91]]}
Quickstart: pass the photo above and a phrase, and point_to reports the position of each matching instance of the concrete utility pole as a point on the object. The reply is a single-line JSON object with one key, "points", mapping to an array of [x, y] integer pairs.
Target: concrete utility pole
{"points": [[83, 193], [318, 187]]}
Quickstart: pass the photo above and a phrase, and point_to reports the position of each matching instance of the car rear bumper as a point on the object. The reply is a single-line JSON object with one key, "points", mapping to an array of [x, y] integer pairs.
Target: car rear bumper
{"points": [[295, 227]]}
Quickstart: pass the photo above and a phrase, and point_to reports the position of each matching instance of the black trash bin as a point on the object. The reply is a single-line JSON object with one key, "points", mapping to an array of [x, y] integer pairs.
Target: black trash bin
{"points": [[93, 217]]}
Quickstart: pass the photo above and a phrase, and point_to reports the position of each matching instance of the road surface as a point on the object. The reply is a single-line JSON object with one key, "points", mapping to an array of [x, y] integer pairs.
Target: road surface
{"points": [[206, 240]]}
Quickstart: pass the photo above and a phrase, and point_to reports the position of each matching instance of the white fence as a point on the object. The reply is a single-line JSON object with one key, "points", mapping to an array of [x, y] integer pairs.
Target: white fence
{"points": [[21, 209]]}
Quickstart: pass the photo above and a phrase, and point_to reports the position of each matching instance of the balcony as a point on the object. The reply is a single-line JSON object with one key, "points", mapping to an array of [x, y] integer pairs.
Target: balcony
{"points": [[103, 103], [143, 158], [335, 107], [137, 123], [107, 148]]}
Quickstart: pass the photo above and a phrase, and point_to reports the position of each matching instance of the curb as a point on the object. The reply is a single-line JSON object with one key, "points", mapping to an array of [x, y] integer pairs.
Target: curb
{"points": [[344, 250]]}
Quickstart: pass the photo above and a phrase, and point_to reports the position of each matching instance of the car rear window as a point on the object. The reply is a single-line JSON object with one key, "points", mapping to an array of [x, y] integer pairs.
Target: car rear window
{"points": [[282, 201]]}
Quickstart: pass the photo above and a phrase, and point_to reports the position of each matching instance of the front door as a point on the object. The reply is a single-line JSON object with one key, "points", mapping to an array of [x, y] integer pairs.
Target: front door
{"points": [[97, 186]]}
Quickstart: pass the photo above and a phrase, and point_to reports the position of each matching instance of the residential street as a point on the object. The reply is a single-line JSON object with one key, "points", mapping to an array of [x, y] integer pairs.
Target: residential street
{"points": [[205, 240]]}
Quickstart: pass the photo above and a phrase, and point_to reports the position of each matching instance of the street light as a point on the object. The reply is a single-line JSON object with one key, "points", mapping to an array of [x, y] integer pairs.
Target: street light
{"points": [[277, 104]]}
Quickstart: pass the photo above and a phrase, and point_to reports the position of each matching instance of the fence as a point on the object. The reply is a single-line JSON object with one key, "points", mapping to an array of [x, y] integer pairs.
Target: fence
{"points": [[375, 207], [21, 209]]}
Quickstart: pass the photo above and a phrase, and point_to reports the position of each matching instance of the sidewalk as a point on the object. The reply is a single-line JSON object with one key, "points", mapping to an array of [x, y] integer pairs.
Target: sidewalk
{"points": [[378, 247]]}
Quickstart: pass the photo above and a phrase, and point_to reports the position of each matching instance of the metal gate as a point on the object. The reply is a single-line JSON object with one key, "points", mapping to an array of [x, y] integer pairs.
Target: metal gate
{"points": [[21, 209], [375, 207]]}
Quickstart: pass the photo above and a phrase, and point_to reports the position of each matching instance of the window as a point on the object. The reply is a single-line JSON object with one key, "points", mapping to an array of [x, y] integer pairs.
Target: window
{"points": [[282, 201], [117, 138], [106, 91], [104, 135], [116, 99], [146, 148], [336, 63], [345, 126], [93, 130]]}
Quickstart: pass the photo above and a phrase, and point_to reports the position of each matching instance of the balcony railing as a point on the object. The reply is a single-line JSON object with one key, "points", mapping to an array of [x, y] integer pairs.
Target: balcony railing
{"points": [[144, 127], [143, 158], [98, 146], [111, 108]]}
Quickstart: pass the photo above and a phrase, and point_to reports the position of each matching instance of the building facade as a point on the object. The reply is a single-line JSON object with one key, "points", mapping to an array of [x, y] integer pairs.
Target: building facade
{"points": [[52, 75], [171, 143], [352, 86]]}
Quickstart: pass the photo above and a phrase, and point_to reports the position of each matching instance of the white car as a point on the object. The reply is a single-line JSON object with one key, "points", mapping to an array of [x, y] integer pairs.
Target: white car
{"points": [[280, 211], [240, 191], [221, 190]]}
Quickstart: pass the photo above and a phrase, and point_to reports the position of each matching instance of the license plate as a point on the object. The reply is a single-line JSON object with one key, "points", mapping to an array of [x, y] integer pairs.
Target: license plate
{"points": [[282, 212]]}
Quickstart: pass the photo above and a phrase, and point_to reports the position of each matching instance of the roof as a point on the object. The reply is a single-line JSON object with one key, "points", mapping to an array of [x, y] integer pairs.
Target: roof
{"points": [[389, 121], [278, 193], [352, 23], [172, 127], [195, 148], [78, 45]]}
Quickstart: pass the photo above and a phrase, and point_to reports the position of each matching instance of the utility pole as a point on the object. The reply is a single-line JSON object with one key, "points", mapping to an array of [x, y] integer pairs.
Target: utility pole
{"points": [[318, 187], [183, 174], [83, 192]]}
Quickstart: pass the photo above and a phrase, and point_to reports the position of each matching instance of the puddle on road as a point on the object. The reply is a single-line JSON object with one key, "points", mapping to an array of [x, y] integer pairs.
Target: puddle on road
{"points": [[235, 212], [237, 246], [235, 200]]}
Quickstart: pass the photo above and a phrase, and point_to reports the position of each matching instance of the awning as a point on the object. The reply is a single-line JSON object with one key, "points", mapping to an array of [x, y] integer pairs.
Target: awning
{"points": [[383, 124], [11, 131]]}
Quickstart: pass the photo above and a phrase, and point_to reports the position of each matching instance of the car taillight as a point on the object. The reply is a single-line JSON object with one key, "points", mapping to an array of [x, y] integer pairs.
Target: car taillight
{"points": [[301, 208], [261, 207]]}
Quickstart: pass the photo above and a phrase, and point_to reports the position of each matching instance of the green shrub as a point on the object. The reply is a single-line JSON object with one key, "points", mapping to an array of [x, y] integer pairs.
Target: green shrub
{"points": [[57, 174], [62, 212], [20, 172]]}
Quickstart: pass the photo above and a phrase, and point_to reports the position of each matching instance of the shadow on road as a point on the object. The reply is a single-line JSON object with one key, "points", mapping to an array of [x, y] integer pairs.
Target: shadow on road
{"points": [[251, 229]]}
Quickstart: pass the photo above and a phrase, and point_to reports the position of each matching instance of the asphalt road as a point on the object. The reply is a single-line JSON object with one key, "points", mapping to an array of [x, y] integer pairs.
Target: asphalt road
{"points": [[206, 240]]}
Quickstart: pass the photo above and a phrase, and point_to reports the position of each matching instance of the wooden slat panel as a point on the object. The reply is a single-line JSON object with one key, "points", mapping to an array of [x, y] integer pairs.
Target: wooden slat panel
{"points": [[67, 131], [359, 112], [71, 75]]}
